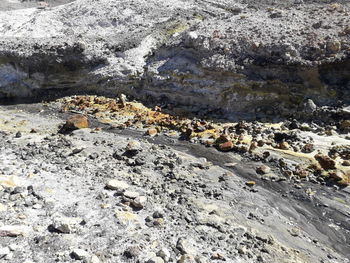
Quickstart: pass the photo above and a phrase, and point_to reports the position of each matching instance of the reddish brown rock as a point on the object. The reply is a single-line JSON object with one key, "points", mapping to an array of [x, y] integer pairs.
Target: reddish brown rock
{"points": [[326, 162], [302, 173], [152, 132], [75, 122], [226, 146], [308, 148], [341, 177]]}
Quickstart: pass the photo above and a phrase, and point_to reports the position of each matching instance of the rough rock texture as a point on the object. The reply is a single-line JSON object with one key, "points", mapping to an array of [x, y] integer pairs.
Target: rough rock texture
{"points": [[234, 56], [60, 206]]}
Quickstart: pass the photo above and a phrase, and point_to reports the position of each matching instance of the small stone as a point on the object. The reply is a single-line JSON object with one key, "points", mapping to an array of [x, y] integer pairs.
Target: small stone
{"points": [[310, 106], [302, 173], [18, 135], [133, 146], [184, 246], [117, 185], [152, 132], [65, 225], [80, 254], [276, 14], [345, 163], [132, 252], [201, 259], [226, 146], [263, 169], [158, 214], [94, 259], [158, 221], [164, 253], [75, 122], [186, 259], [217, 256], [131, 194], [155, 260], [139, 202], [308, 148], [13, 231], [253, 146], [284, 146], [250, 183], [230, 164], [325, 161], [9, 181], [341, 177]]}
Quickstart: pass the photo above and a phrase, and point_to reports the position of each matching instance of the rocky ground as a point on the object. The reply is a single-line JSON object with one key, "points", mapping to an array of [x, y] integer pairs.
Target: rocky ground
{"points": [[231, 142], [119, 191]]}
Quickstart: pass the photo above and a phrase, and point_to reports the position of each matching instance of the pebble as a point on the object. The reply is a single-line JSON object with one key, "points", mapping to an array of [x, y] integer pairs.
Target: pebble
{"points": [[250, 183], [155, 260], [80, 254], [117, 185], [263, 169], [75, 122], [133, 146], [187, 259], [139, 202], [184, 246], [164, 253], [132, 252], [13, 231], [152, 132], [226, 146], [326, 162], [131, 194], [66, 225]]}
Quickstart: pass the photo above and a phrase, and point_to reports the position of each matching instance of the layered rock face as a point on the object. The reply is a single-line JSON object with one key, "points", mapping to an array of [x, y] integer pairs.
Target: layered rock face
{"points": [[238, 57]]}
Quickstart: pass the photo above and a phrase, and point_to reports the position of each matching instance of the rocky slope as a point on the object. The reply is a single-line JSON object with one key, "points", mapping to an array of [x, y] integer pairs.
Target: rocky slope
{"points": [[102, 194], [239, 57]]}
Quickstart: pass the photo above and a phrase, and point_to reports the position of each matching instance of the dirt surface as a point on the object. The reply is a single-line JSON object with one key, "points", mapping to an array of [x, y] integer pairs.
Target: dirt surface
{"points": [[105, 194]]}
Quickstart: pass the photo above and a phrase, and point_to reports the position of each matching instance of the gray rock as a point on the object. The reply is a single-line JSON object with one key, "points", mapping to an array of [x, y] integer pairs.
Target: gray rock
{"points": [[164, 253], [131, 194], [66, 225], [80, 254], [310, 106], [185, 246], [117, 185], [155, 260], [139, 202]]}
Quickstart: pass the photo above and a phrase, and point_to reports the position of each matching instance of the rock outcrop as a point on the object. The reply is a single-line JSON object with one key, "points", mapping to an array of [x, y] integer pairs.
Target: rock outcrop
{"points": [[233, 56]]}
